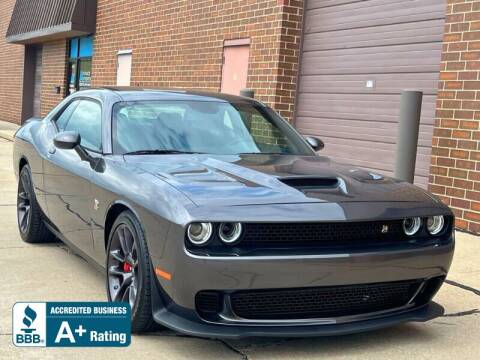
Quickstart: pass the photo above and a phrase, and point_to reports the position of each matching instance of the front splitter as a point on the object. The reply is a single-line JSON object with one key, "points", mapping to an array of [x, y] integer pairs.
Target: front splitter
{"points": [[208, 330]]}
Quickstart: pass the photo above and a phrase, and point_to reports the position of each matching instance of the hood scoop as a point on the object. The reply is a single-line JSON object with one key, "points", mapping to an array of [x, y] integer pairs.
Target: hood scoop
{"points": [[309, 183]]}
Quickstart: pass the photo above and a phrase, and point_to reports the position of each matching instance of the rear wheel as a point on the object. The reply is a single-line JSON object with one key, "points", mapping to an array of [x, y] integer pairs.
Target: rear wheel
{"points": [[128, 270], [30, 221]]}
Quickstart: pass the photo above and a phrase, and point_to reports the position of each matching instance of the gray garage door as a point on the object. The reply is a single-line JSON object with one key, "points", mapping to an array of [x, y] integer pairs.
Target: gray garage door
{"points": [[357, 56]]}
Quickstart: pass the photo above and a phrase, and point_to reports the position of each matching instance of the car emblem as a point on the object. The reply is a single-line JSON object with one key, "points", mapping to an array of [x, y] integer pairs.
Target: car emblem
{"points": [[95, 204], [384, 229]]}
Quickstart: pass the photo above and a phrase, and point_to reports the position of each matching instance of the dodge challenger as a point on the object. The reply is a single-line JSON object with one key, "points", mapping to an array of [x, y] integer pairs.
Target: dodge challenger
{"points": [[210, 215]]}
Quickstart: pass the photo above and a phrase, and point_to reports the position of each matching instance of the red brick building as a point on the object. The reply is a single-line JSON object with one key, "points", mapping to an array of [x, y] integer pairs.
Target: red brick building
{"points": [[334, 68]]}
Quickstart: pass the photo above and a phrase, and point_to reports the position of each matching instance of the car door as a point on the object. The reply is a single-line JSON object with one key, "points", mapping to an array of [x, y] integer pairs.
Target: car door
{"points": [[67, 178]]}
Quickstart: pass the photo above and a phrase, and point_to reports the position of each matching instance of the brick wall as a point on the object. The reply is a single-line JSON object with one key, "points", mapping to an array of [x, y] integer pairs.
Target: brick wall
{"points": [[54, 73], [179, 44], [11, 69], [455, 171]]}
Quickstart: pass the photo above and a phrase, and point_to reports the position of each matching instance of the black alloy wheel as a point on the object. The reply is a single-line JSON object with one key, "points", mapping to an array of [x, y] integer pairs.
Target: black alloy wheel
{"points": [[129, 270], [29, 215], [24, 202], [123, 272]]}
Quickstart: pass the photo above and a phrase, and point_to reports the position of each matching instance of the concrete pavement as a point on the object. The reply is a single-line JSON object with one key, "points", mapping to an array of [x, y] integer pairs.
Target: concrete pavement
{"points": [[52, 272], [7, 130]]}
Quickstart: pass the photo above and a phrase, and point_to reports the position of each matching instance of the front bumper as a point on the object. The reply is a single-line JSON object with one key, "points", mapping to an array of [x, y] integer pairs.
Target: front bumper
{"points": [[191, 274], [188, 326]]}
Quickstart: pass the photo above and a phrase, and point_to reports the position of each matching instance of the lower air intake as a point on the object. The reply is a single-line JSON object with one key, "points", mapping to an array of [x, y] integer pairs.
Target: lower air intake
{"points": [[322, 302]]}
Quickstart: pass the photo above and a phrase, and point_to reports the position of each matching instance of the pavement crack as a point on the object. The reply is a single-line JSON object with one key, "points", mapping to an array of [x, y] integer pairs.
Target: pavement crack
{"points": [[13, 247], [234, 349], [463, 313], [464, 287], [443, 323], [223, 342]]}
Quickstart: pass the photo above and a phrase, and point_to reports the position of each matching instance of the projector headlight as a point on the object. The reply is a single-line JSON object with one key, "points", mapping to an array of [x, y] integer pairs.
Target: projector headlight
{"points": [[230, 232], [435, 224], [199, 233], [412, 225]]}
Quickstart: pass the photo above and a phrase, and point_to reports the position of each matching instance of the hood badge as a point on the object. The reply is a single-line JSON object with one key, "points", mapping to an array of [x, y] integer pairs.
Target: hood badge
{"points": [[385, 229]]}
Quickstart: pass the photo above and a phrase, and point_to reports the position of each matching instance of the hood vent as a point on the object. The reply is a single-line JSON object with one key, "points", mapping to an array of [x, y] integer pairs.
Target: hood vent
{"points": [[310, 183]]}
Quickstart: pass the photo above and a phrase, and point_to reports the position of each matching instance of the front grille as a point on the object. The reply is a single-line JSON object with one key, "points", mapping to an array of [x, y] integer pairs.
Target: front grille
{"points": [[322, 302], [323, 234], [261, 239]]}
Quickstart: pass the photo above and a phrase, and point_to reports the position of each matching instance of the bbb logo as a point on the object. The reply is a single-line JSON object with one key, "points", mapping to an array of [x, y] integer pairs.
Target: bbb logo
{"points": [[29, 324]]}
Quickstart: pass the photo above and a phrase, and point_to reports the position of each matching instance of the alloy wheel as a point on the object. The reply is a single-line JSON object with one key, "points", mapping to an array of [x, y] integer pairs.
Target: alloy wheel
{"points": [[24, 202], [123, 270]]}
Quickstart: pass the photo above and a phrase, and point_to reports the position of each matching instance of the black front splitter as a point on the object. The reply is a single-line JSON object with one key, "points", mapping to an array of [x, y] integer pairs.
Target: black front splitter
{"points": [[222, 331]]}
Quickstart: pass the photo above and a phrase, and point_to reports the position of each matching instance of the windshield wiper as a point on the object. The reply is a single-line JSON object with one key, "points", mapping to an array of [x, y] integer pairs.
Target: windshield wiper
{"points": [[262, 153], [159, 152]]}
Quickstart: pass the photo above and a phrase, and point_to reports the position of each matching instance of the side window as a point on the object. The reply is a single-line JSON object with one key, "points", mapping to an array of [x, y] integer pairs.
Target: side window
{"points": [[87, 121], [65, 115]]}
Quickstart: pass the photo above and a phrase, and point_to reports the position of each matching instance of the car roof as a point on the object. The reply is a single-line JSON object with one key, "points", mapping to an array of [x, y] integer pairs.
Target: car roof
{"points": [[138, 94]]}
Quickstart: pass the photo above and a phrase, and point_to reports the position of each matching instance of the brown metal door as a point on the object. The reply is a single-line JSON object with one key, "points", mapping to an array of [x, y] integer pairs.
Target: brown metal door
{"points": [[37, 84], [235, 69], [357, 57]]}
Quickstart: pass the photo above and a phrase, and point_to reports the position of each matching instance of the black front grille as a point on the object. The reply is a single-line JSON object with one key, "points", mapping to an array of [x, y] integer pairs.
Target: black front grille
{"points": [[323, 234], [322, 302], [314, 237]]}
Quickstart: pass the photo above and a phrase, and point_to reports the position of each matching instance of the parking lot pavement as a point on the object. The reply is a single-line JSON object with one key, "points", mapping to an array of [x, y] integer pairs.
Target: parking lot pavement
{"points": [[52, 272]]}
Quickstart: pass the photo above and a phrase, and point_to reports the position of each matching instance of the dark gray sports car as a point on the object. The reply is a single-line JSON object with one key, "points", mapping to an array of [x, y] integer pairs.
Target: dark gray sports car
{"points": [[212, 216]]}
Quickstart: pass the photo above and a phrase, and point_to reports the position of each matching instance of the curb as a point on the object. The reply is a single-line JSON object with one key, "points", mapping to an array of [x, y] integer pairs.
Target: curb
{"points": [[6, 136]]}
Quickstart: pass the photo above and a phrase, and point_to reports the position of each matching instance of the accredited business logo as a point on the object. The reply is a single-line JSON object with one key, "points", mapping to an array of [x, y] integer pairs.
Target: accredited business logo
{"points": [[29, 324], [71, 324]]}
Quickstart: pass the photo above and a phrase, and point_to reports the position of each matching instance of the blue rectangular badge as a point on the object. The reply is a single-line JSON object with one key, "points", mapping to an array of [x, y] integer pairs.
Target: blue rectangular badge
{"points": [[71, 324]]}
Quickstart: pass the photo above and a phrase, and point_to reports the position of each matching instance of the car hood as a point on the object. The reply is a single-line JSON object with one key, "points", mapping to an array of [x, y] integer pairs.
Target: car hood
{"points": [[235, 180]]}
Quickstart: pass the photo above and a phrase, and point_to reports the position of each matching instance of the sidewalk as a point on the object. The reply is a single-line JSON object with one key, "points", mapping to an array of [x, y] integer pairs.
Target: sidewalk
{"points": [[7, 130]]}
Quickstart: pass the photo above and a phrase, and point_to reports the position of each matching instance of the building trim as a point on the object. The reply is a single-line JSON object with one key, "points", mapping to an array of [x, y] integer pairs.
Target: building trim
{"points": [[237, 42], [51, 20]]}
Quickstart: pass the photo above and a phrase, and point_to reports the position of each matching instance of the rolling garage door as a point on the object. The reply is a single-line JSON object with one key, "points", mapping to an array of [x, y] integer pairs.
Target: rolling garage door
{"points": [[357, 57]]}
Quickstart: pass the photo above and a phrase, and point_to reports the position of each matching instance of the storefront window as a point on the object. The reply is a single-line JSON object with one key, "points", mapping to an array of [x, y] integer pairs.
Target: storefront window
{"points": [[80, 64]]}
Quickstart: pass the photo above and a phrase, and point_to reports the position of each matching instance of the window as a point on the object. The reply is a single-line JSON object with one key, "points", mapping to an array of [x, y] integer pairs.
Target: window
{"points": [[86, 119], [124, 67], [205, 127], [65, 115], [80, 64]]}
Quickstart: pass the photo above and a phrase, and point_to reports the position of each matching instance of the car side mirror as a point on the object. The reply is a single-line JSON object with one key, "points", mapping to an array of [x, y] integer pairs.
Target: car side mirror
{"points": [[315, 143], [70, 140], [67, 140]]}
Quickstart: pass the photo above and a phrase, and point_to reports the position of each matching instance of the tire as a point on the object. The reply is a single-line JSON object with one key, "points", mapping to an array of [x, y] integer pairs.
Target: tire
{"points": [[129, 270], [29, 216]]}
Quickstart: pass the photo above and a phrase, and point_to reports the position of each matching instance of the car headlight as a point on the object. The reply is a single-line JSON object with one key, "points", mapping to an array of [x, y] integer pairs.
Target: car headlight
{"points": [[435, 224], [199, 233], [230, 232], [412, 225]]}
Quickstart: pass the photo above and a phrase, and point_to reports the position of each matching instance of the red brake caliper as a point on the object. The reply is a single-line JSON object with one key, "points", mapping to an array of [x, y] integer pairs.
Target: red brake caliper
{"points": [[127, 267]]}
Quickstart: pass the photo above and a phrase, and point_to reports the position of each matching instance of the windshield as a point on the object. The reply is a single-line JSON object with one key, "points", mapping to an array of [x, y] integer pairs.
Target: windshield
{"points": [[202, 127]]}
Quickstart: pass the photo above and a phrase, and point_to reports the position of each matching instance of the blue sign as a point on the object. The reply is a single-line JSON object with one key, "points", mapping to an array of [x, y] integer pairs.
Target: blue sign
{"points": [[69, 324]]}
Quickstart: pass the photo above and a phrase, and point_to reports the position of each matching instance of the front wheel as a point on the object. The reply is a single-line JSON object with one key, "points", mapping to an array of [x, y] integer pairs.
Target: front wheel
{"points": [[128, 270], [30, 220]]}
